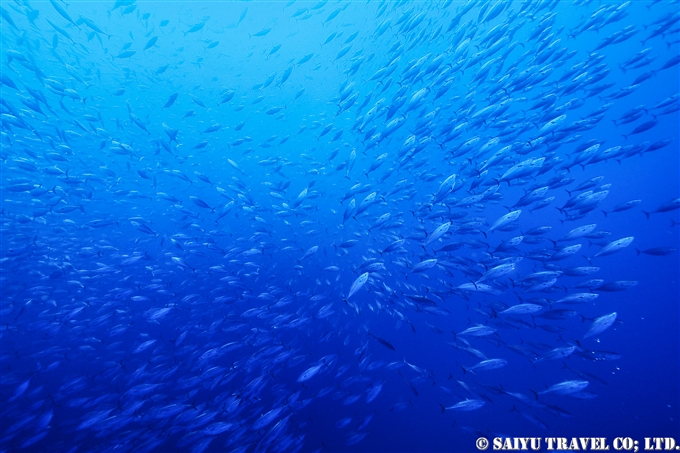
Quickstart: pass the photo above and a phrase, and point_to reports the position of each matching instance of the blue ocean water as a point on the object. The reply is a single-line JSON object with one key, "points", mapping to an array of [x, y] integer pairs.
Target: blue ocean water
{"points": [[382, 226]]}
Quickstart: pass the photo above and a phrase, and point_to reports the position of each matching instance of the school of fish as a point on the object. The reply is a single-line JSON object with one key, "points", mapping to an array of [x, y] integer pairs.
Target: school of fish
{"points": [[219, 221]]}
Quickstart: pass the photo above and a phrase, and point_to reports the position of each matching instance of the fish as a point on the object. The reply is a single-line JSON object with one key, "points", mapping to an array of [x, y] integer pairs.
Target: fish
{"points": [[497, 272], [424, 265], [601, 324], [465, 405], [665, 207], [150, 43], [507, 218], [195, 28], [309, 373], [438, 233], [382, 341], [125, 54], [578, 298], [521, 309], [557, 353], [478, 331], [358, 284], [657, 251], [63, 13], [487, 364], [171, 100], [615, 246], [263, 32], [565, 388]]}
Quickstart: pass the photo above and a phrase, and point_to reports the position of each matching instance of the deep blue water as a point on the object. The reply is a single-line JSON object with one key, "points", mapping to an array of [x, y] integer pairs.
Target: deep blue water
{"points": [[180, 254]]}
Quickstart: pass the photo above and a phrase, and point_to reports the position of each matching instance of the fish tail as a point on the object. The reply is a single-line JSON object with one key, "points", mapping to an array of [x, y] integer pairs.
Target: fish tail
{"points": [[647, 214]]}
